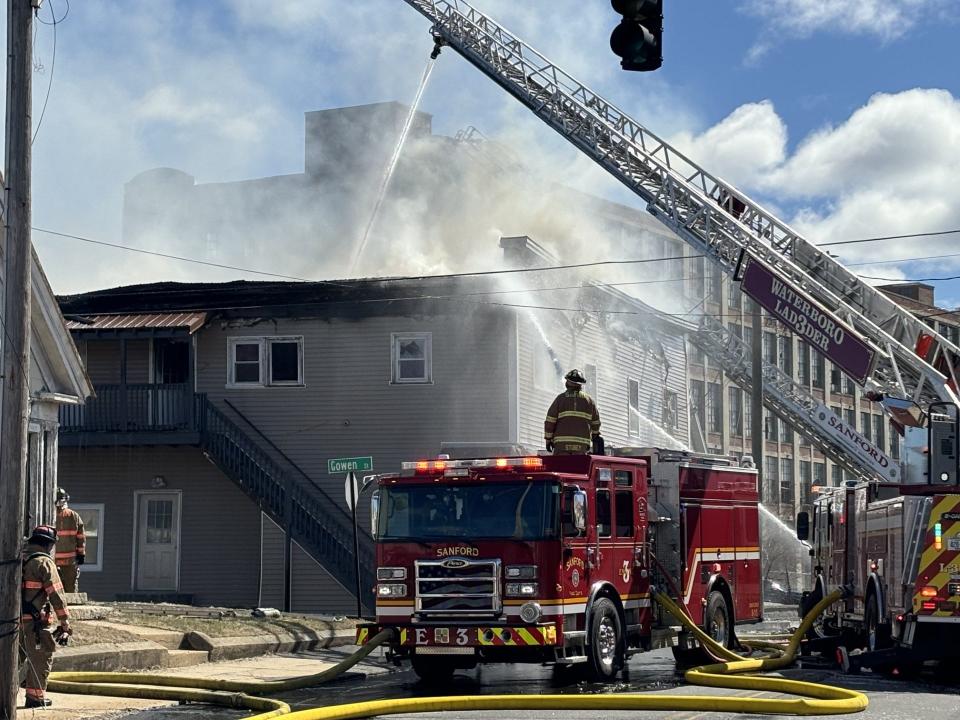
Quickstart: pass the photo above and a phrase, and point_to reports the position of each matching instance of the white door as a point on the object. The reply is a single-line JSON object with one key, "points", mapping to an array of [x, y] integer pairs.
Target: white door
{"points": [[158, 541]]}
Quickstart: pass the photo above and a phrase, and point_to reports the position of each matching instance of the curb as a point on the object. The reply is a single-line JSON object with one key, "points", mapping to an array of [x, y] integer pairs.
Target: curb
{"points": [[234, 648], [148, 655]]}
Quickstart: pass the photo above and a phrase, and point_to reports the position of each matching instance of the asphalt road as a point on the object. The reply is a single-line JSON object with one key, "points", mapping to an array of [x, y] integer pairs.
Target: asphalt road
{"points": [[651, 672]]}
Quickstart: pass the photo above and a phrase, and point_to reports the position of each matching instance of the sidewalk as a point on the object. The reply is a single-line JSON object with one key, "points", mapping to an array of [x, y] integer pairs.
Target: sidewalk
{"points": [[268, 667]]}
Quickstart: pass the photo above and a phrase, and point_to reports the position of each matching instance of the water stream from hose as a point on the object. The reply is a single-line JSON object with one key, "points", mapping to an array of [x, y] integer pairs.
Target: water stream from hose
{"points": [[392, 164]]}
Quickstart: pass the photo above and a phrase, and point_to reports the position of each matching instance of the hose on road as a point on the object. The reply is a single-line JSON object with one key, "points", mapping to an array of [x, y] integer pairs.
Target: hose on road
{"points": [[810, 698]]}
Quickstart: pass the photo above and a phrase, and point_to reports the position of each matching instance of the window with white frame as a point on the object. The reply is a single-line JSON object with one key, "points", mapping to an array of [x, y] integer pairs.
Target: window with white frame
{"points": [[412, 355], [92, 516], [274, 361]]}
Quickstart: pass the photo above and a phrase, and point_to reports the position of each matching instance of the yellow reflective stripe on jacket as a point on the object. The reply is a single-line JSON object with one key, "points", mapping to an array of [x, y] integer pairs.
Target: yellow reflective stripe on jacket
{"points": [[571, 439], [576, 414]]}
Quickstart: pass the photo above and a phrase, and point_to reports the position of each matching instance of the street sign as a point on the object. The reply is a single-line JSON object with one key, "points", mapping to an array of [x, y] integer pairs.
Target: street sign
{"points": [[351, 490], [354, 464], [817, 325]]}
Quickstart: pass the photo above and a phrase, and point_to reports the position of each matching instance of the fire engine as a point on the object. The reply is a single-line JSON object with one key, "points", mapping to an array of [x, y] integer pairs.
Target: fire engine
{"points": [[898, 546], [551, 558], [892, 533]]}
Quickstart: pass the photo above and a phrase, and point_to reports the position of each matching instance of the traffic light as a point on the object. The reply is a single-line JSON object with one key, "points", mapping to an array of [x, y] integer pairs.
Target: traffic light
{"points": [[638, 39]]}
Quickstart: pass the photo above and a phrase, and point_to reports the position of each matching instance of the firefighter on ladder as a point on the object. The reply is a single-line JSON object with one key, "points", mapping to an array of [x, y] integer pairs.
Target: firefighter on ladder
{"points": [[41, 589], [71, 543], [572, 426]]}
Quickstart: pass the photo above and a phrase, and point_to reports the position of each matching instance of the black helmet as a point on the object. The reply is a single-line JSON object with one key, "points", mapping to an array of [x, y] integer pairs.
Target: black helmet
{"points": [[44, 534], [575, 376], [62, 495]]}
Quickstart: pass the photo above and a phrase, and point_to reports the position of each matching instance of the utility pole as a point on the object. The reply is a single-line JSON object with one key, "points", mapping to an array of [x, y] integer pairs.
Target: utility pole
{"points": [[756, 396], [15, 338]]}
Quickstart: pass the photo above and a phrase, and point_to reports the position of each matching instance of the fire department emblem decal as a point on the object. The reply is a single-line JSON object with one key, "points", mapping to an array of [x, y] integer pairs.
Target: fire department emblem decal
{"points": [[575, 577], [625, 571]]}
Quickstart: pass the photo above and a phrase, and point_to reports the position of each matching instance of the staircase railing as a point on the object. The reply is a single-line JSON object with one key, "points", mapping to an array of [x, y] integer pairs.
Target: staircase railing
{"points": [[291, 503]]}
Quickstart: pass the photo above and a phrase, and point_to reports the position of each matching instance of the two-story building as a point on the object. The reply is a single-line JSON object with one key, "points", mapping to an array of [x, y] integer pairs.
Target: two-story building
{"points": [[219, 405]]}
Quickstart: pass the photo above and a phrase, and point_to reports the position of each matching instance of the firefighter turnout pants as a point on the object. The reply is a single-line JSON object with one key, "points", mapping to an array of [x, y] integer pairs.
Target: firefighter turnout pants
{"points": [[36, 651], [69, 576]]}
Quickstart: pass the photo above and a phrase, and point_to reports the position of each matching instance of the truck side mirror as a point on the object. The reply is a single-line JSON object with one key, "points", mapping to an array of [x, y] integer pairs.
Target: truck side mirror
{"points": [[580, 510], [374, 513], [803, 526]]}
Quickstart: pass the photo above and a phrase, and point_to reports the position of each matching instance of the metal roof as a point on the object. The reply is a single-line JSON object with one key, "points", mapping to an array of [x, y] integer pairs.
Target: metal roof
{"points": [[190, 321]]}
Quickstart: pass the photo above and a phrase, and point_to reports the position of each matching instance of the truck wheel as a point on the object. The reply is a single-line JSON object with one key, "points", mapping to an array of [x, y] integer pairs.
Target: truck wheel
{"points": [[432, 669], [718, 619], [878, 634], [606, 640]]}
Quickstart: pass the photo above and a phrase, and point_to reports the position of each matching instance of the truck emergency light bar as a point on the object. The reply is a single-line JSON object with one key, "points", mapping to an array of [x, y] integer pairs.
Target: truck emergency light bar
{"points": [[433, 466]]}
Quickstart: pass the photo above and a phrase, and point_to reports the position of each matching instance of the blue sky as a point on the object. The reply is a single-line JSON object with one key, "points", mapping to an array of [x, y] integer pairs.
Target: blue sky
{"points": [[842, 114]]}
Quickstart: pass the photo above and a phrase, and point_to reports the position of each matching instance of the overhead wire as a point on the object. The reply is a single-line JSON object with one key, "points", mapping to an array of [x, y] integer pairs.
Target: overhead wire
{"points": [[53, 64]]}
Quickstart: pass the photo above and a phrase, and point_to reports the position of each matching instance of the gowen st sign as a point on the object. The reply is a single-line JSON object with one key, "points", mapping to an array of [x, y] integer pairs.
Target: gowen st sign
{"points": [[846, 436], [819, 327], [337, 466]]}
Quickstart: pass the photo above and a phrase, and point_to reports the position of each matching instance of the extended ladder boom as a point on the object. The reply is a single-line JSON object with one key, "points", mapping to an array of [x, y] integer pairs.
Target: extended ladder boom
{"points": [[708, 213]]}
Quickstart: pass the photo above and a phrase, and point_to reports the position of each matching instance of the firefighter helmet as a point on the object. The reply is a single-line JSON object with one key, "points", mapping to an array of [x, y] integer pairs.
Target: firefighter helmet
{"points": [[44, 534], [62, 495], [575, 376]]}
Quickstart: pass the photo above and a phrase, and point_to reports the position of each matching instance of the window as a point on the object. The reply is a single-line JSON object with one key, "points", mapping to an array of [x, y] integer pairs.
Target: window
{"points": [[785, 354], [803, 364], [633, 408], [735, 329], [92, 516], [849, 386], [850, 417], [735, 403], [698, 404], [625, 514], [806, 482], [770, 426], [834, 380], [770, 478], [715, 407], [245, 362], [878, 423], [819, 370], [819, 474], [697, 355], [747, 415], [836, 476], [670, 412], [770, 348], [623, 478], [265, 361], [786, 481], [734, 297], [866, 426], [412, 358], [786, 432], [894, 442], [603, 513]]}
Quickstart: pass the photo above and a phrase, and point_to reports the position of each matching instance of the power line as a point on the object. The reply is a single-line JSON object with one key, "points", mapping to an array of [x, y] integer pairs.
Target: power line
{"points": [[53, 65], [888, 237]]}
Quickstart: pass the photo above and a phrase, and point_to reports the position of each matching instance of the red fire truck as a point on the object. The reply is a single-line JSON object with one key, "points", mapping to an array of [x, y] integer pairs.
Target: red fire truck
{"points": [[551, 558]]}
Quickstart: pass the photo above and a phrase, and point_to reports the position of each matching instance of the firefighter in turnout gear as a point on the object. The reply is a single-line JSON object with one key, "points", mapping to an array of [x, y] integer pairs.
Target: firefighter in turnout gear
{"points": [[41, 589], [71, 543], [572, 426]]}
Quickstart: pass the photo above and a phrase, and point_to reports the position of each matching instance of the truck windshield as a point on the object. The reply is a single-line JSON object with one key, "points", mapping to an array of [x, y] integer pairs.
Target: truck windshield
{"points": [[516, 510]]}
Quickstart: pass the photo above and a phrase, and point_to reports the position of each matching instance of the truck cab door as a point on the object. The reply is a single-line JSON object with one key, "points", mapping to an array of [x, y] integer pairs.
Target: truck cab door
{"points": [[573, 571]]}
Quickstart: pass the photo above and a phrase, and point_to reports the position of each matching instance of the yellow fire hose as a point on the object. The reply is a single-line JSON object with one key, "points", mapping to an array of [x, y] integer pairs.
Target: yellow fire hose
{"points": [[812, 698]]}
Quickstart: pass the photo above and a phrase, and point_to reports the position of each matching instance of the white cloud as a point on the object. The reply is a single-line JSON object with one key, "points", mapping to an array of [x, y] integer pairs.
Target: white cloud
{"points": [[888, 169]]}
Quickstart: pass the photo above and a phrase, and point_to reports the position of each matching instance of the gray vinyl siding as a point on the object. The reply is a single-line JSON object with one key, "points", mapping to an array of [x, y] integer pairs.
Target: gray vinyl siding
{"points": [[348, 406], [314, 591], [271, 563], [219, 525], [617, 360]]}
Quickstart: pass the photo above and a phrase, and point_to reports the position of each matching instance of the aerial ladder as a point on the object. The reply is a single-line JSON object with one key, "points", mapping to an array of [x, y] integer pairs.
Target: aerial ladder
{"points": [[911, 361]]}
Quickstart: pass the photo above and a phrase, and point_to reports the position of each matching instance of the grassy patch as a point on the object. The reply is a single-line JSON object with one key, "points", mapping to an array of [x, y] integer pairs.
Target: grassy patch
{"points": [[86, 634]]}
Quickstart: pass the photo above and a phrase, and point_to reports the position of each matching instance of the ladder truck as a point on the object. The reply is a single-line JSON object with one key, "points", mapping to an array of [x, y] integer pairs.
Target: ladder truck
{"points": [[893, 532]]}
